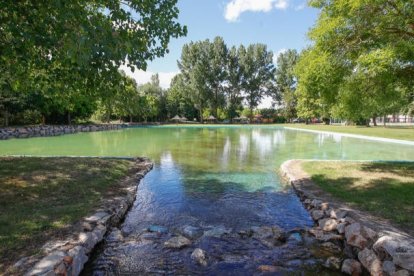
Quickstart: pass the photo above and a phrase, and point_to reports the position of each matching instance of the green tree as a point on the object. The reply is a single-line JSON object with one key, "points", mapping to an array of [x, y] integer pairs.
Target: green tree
{"points": [[258, 73], [285, 80]]}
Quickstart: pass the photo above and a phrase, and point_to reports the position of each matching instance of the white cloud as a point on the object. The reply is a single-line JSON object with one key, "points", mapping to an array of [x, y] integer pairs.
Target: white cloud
{"points": [[300, 7], [236, 7], [277, 53], [142, 77]]}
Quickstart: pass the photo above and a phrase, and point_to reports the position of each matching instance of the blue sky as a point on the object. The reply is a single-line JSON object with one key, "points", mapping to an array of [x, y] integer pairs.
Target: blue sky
{"points": [[280, 24]]}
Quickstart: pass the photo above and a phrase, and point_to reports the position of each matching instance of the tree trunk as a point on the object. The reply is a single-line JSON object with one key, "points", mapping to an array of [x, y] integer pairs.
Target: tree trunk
{"points": [[130, 118], [385, 120], [69, 119], [43, 119], [374, 120]]}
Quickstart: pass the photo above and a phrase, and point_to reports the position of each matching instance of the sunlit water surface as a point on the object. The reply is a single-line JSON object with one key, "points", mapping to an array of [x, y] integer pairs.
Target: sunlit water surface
{"points": [[208, 177]]}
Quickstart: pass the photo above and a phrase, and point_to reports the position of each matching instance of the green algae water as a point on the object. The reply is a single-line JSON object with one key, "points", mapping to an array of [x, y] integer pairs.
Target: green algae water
{"points": [[208, 178]]}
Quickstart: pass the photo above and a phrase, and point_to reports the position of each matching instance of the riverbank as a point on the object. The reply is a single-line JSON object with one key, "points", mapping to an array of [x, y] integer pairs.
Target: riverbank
{"points": [[391, 132], [59, 208], [52, 130], [368, 239]]}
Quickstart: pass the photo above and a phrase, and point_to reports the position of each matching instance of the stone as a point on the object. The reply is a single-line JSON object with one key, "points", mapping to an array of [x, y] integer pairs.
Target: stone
{"points": [[359, 236], [114, 236], [79, 258], [333, 263], [47, 264], [157, 229], [217, 232], [60, 269], [322, 236], [315, 203], [338, 213], [271, 268], [324, 206], [177, 242], [328, 224], [268, 235], [388, 267], [331, 247], [199, 256], [295, 238], [401, 272], [192, 232], [401, 251], [90, 239], [370, 261], [97, 217], [317, 214], [341, 227], [351, 267]]}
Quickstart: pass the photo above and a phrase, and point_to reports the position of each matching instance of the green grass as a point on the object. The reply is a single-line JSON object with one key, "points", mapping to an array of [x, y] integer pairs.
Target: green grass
{"points": [[41, 198], [402, 133], [384, 189]]}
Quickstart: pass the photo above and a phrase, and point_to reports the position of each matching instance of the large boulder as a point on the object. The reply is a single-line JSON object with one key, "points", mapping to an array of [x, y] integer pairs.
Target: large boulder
{"points": [[401, 251], [359, 236], [371, 262]]}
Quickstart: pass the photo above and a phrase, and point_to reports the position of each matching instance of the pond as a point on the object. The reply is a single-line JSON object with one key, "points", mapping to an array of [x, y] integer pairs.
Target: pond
{"points": [[210, 179]]}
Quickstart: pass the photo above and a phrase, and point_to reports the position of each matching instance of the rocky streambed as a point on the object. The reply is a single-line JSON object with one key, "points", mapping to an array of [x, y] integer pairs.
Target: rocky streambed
{"points": [[216, 250]]}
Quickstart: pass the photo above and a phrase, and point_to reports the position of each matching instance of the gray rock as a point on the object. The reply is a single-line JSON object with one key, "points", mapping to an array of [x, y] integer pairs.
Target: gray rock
{"points": [[388, 267], [328, 224], [401, 251], [333, 263], [158, 229], [338, 213], [217, 232], [295, 238], [199, 256], [268, 235], [78, 254], [177, 242], [351, 267], [97, 217], [370, 261], [317, 214], [192, 232], [341, 227], [47, 264]]}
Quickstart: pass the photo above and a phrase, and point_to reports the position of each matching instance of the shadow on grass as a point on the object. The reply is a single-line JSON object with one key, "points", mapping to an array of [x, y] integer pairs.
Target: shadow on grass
{"points": [[41, 198], [384, 197]]}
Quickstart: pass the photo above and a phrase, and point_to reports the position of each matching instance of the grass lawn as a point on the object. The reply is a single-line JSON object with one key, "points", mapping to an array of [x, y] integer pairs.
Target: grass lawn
{"points": [[41, 197], [384, 189], [392, 132]]}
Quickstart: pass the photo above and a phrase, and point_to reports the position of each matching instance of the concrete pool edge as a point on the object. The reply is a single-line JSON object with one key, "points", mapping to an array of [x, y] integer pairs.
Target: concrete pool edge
{"points": [[367, 240], [68, 255], [372, 138]]}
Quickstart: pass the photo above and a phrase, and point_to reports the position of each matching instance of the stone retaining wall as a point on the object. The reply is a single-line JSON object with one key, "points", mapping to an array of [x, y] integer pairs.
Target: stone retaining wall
{"points": [[367, 244], [49, 130], [68, 256]]}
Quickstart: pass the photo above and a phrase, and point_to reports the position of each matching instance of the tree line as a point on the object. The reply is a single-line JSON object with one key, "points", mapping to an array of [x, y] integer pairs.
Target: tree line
{"points": [[61, 60]]}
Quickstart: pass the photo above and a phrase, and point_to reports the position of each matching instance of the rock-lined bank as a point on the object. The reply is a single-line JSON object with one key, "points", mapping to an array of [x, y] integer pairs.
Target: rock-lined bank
{"points": [[367, 243], [67, 256], [51, 130]]}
